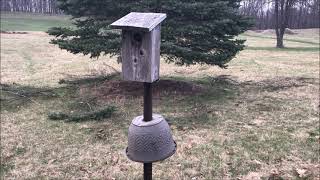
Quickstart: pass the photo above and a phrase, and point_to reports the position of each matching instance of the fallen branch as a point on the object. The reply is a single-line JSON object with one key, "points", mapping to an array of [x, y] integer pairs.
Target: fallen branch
{"points": [[77, 117]]}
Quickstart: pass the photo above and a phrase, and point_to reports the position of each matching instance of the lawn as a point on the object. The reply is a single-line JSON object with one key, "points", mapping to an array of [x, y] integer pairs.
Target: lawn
{"points": [[259, 118]]}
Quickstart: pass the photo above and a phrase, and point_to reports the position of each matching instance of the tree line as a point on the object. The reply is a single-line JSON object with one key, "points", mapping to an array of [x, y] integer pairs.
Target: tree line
{"points": [[32, 6], [304, 13]]}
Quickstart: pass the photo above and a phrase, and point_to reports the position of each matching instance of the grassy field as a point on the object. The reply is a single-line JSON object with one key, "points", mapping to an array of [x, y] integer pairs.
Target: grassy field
{"points": [[258, 119]]}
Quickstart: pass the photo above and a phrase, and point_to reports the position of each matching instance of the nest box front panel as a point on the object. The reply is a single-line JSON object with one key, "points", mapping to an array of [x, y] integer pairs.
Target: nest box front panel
{"points": [[141, 55]]}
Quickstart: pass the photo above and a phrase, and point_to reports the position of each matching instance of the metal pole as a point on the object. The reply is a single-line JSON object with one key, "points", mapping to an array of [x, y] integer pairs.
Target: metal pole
{"points": [[147, 171], [147, 108], [147, 116]]}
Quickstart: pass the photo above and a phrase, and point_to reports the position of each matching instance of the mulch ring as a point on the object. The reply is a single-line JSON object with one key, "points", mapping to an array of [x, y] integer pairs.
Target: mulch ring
{"points": [[122, 89]]}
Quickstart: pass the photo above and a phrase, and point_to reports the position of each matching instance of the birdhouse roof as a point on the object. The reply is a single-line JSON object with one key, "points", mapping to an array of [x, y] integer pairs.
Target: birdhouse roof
{"points": [[142, 21]]}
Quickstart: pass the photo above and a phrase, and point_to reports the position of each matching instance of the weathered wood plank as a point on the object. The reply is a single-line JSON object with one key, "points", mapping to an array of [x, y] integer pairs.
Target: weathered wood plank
{"points": [[155, 59], [141, 21]]}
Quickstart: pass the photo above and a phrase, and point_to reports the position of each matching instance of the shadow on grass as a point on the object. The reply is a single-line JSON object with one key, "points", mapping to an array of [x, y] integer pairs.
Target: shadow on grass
{"points": [[280, 83], [223, 95], [303, 49], [201, 109]]}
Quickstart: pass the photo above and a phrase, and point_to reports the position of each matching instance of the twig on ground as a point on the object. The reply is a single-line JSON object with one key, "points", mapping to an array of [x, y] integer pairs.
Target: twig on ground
{"points": [[21, 95]]}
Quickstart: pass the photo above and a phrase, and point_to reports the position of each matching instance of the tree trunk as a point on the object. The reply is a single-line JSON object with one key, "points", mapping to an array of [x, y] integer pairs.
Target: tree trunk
{"points": [[280, 42], [282, 19], [280, 38], [277, 25]]}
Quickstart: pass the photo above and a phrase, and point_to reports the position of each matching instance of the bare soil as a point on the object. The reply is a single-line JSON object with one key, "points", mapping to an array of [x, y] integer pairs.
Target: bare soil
{"points": [[118, 88]]}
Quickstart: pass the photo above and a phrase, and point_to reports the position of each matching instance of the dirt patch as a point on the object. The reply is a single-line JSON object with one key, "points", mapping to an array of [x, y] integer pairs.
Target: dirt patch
{"points": [[256, 30], [268, 31], [289, 31], [117, 89]]}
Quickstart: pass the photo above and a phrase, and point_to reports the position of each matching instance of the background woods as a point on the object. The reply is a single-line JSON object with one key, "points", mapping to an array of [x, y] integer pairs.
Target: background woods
{"points": [[306, 12], [34, 6]]}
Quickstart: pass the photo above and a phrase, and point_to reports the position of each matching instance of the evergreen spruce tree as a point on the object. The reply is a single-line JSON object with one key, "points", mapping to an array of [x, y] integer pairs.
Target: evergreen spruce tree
{"points": [[195, 31]]}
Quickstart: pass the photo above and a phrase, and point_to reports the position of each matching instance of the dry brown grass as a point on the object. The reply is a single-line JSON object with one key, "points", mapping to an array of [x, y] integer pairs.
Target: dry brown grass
{"points": [[256, 119]]}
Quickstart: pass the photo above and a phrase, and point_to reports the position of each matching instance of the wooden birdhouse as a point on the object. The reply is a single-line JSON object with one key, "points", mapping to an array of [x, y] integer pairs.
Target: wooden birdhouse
{"points": [[140, 51]]}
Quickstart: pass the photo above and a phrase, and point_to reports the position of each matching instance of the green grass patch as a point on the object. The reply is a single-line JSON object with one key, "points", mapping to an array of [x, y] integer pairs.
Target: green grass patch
{"points": [[294, 49], [5, 167], [285, 39], [32, 22]]}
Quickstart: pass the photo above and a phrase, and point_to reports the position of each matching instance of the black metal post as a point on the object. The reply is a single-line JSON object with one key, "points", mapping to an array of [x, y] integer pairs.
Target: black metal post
{"points": [[147, 116], [147, 98], [147, 171]]}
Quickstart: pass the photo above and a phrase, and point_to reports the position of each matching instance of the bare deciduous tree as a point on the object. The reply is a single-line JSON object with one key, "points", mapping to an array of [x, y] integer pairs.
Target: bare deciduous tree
{"points": [[282, 14]]}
